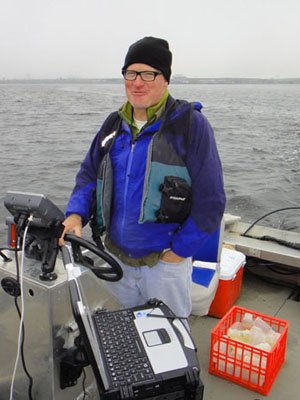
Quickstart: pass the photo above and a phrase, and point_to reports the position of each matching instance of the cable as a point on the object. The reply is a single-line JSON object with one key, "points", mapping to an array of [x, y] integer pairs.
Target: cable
{"points": [[283, 271], [83, 384], [275, 268], [282, 242], [149, 314], [21, 313], [268, 279], [266, 215], [22, 353], [278, 281], [292, 245], [17, 248]]}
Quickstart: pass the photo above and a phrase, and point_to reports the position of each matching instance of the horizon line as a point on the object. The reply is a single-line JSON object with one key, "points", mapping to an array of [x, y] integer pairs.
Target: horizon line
{"points": [[174, 78]]}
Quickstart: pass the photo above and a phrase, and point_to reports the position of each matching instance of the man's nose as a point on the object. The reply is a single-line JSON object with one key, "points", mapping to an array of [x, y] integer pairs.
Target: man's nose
{"points": [[139, 81]]}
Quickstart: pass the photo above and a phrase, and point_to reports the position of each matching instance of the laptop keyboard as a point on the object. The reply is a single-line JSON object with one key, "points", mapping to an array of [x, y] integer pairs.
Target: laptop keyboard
{"points": [[124, 352]]}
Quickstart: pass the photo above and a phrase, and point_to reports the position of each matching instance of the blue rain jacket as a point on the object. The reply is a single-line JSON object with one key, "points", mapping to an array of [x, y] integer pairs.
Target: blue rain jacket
{"points": [[128, 176]]}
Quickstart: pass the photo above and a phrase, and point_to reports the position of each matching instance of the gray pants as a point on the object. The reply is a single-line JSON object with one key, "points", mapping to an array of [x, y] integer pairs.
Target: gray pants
{"points": [[169, 282]]}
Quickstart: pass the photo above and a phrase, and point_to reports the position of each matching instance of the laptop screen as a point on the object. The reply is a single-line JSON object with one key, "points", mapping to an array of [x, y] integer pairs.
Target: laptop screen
{"points": [[86, 327]]}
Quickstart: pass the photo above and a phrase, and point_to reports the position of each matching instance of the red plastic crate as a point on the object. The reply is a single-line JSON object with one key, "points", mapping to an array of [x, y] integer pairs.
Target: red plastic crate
{"points": [[242, 363]]}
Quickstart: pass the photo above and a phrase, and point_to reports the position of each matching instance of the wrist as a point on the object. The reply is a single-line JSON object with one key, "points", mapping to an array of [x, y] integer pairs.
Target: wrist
{"points": [[165, 251], [168, 255]]}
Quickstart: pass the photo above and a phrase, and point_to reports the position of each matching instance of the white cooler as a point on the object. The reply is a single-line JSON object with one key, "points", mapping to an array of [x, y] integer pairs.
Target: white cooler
{"points": [[217, 285]]}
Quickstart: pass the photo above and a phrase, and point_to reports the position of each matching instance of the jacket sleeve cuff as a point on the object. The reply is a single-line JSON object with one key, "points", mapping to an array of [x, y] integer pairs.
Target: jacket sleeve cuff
{"points": [[189, 239]]}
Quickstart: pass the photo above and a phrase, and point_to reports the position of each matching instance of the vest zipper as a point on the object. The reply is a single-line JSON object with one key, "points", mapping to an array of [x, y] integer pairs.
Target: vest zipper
{"points": [[128, 169], [104, 166]]}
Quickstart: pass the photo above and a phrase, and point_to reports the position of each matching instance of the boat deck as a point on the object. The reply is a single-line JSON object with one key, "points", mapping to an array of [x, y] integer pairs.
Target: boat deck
{"points": [[267, 250], [266, 298]]}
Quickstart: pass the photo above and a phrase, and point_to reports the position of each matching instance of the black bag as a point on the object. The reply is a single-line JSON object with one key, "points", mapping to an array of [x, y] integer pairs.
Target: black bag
{"points": [[176, 200]]}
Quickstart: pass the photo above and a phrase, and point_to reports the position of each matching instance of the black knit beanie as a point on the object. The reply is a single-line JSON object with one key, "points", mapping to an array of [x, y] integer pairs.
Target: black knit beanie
{"points": [[151, 51]]}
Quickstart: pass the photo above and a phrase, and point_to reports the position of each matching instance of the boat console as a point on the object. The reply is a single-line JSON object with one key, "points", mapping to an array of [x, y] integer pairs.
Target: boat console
{"points": [[52, 346]]}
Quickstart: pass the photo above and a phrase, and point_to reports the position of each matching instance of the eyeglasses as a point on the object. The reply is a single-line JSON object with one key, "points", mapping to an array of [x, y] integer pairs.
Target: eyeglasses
{"points": [[146, 76]]}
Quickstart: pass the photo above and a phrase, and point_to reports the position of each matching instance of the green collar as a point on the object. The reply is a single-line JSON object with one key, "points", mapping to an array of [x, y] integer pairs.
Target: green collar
{"points": [[153, 113]]}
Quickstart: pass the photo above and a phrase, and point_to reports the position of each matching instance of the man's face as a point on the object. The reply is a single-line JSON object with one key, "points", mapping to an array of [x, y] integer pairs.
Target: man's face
{"points": [[142, 95]]}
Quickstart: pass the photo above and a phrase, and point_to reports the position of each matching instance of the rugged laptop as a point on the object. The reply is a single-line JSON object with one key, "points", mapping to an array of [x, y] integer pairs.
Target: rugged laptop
{"points": [[138, 353]]}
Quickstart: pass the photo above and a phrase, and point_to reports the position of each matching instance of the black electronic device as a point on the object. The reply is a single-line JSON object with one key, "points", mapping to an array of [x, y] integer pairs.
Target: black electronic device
{"points": [[43, 211], [144, 352], [44, 221], [44, 230]]}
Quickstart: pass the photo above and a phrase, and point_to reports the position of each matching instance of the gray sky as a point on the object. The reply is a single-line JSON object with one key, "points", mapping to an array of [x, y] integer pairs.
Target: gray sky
{"points": [[208, 38]]}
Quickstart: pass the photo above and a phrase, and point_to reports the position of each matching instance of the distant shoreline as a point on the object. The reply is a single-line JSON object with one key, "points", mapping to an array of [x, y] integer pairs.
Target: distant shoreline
{"points": [[174, 80]]}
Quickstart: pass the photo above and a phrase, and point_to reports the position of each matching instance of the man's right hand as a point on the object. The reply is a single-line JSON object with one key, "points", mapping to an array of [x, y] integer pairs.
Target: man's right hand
{"points": [[73, 224]]}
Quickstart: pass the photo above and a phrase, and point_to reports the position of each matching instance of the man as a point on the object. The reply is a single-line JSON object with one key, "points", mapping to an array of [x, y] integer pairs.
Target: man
{"points": [[158, 178]]}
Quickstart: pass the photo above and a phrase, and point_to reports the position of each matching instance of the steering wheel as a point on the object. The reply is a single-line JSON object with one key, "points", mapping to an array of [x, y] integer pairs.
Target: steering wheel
{"points": [[111, 273]]}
